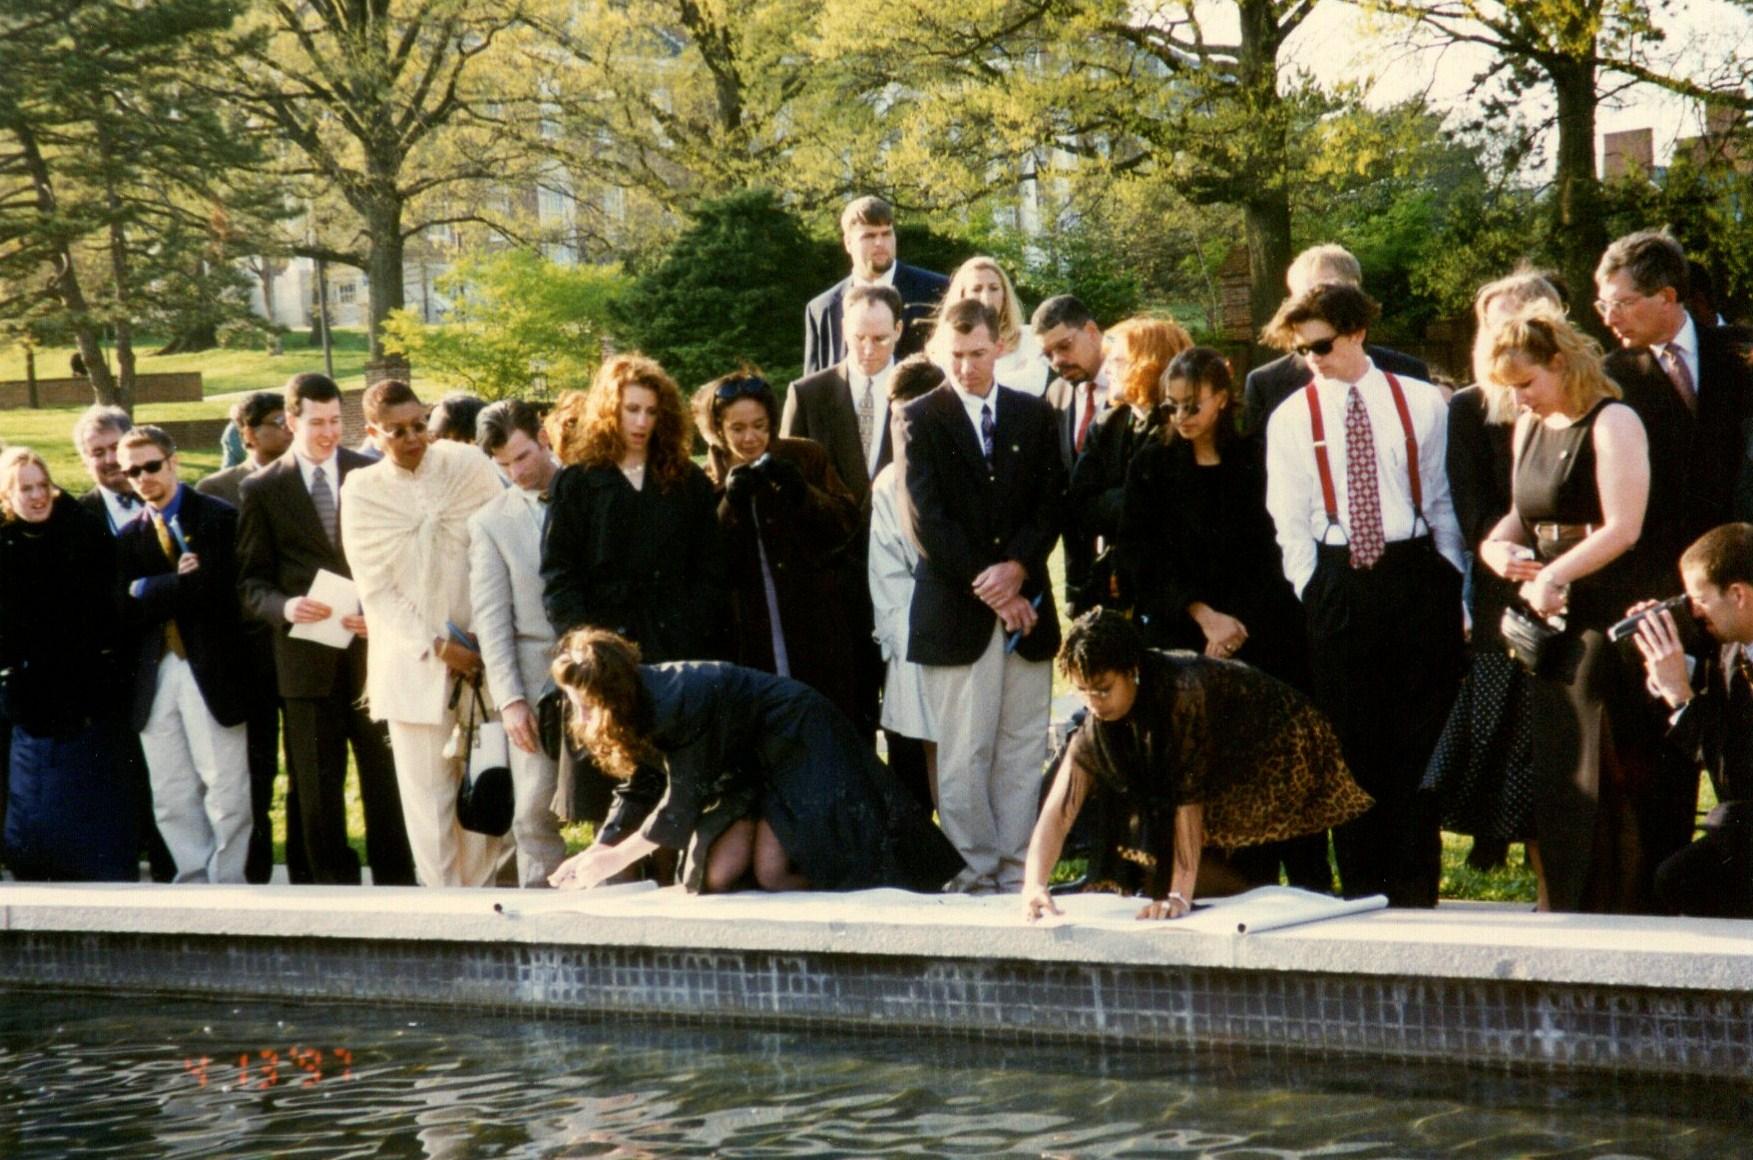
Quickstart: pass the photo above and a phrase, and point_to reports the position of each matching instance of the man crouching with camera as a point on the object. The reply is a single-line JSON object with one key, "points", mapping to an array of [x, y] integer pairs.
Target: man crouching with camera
{"points": [[1713, 719]]}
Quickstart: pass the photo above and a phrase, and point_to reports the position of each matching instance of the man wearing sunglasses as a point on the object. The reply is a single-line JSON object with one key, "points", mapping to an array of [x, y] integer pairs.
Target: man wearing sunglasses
{"points": [[405, 521], [179, 563], [1269, 385], [1356, 484]]}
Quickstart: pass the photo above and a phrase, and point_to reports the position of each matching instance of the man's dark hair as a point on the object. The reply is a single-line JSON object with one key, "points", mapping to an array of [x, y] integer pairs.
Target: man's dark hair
{"points": [[380, 397], [1099, 642], [456, 415], [1653, 260], [496, 422], [963, 315], [312, 385], [869, 210], [1061, 310], [157, 437], [256, 407], [914, 375], [887, 295], [1345, 308], [1723, 556]]}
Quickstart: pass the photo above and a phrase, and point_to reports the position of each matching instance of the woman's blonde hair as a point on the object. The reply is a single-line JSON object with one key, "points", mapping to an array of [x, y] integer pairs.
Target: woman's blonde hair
{"points": [[13, 461], [602, 668], [1010, 314], [1523, 289], [1151, 345], [585, 426], [1540, 336]]}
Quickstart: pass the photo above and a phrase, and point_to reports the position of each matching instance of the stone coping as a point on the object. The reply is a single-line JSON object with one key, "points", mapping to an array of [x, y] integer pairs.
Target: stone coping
{"points": [[1458, 941]]}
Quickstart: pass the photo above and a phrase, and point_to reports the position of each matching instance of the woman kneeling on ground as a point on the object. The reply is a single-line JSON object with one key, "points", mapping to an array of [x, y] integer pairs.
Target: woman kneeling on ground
{"points": [[1182, 753], [758, 775]]}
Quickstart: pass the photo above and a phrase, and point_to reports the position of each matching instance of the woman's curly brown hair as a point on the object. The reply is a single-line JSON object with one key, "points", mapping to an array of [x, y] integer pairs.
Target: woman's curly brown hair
{"points": [[602, 668], [585, 426], [1151, 344]]}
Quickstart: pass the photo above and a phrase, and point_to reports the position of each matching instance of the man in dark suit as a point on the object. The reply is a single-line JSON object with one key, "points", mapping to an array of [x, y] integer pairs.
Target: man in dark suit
{"points": [[179, 564], [983, 493], [846, 407], [1269, 385], [1712, 723], [867, 227], [1079, 395], [289, 530], [260, 418]]}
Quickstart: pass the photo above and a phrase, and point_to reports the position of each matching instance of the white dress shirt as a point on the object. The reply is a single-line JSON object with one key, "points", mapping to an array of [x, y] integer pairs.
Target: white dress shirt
{"points": [[1685, 340], [331, 469], [120, 513], [1293, 480], [972, 404]]}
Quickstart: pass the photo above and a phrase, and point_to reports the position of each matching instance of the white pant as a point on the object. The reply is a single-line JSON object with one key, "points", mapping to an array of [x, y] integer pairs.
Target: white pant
{"points": [[445, 854], [200, 777], [991, 745], [534, 826]]}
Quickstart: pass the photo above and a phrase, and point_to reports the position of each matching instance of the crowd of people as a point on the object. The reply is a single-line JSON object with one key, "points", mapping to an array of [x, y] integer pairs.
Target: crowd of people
{"points": [[1338, 602]]}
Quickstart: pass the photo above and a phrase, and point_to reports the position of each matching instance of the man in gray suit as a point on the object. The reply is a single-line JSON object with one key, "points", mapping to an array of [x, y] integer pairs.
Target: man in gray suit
{"points": [[505, 592]]}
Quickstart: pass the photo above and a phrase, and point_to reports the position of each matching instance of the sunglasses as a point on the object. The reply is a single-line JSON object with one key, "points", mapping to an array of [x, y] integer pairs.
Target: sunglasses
{"points": [[150, 467], [1321, 348], [742, 387], [1190, 407]]}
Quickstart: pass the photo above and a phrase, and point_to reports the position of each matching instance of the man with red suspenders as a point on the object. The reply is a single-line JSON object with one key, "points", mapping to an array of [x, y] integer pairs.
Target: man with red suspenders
{"points": [[1356, 485]]}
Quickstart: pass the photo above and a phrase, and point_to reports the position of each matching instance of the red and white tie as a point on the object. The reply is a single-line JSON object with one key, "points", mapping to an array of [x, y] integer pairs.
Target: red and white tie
{"points": [[1363, 495]]}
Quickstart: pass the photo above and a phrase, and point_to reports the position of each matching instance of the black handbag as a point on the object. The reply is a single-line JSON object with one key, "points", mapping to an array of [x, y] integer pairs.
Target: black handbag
{"points": [[484, 798], [1535, 643]]}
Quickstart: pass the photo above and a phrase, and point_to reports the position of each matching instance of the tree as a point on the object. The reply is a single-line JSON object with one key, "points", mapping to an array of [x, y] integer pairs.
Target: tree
{"points": [[519, 325], [389, 106], [118, 165], [731, 289]]}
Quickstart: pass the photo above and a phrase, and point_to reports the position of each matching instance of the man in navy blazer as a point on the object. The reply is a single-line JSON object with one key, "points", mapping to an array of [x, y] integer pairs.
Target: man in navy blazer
{"points": [[179, 564], [867, 227], [983, 496]]}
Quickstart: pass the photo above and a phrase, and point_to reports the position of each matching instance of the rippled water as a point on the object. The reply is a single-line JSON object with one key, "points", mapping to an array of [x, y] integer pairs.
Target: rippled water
{"points": [[104, 1076]]}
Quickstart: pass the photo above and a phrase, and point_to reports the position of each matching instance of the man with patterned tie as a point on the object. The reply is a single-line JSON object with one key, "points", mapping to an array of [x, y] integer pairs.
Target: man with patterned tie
{"points": [[1079, 395], [289, 530], [983, 492], [190, 695], [1711, 723], [1356, 485]]}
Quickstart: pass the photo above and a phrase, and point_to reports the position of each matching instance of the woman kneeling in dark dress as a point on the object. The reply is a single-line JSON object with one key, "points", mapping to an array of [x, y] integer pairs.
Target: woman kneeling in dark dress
{"points": [[1181, 752], [756, 773]]}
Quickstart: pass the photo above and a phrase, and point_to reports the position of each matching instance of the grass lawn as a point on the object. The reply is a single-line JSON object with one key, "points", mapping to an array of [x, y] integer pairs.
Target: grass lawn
{"points": [[223, 372]]}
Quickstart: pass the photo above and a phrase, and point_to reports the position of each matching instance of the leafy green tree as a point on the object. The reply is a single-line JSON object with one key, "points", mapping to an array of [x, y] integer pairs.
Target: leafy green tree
{"points": [[519, 325], [731, 289]]}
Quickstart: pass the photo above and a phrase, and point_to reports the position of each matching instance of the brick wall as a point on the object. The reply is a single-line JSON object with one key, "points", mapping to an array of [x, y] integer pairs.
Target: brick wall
{"points": [[181, 387]]}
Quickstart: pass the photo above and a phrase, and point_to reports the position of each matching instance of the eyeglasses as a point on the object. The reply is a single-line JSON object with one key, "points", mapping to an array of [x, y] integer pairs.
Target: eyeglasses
{"points": [[1606, 307], [741, 387], [417, 427], [277, 421], [1320, 348], [150, 467]]}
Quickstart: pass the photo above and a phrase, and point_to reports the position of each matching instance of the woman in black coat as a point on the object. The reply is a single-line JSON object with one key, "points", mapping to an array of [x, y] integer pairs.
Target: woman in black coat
{"points": [[757, 774], [71, 811], [789, 526]]}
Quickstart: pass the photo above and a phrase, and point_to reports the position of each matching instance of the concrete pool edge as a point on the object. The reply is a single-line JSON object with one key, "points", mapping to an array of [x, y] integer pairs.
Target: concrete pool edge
{"points": [[1478, 983]]}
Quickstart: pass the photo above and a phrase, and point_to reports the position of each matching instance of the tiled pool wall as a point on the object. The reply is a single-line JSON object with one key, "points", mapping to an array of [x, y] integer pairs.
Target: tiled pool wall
{"points": [[1493, 1022]]}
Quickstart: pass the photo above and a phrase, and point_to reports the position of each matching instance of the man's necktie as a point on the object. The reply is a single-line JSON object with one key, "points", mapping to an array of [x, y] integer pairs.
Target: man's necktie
{"points": [[1363, 497], [866, 416], [173, 640], [324, 499], [128, 500], [988, 430], [1674, 362], [1084, 420]]}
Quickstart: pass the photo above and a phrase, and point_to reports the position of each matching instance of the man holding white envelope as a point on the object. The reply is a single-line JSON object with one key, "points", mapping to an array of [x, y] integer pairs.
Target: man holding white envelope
{"points": [[289, 535], [404, 520]]}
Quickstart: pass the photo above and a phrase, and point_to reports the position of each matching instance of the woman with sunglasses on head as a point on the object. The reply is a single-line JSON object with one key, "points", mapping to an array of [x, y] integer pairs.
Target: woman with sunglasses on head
{"points": [[761, 778], [1136, 356], [71, 807], [788, 527], [632, 545]]}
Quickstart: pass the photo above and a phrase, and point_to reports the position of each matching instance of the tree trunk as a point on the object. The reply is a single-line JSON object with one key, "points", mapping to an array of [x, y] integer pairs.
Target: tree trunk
{"points": [[383, 269], [202, 336], [1266, 225], [1266, 203], [121, 276], [30, 377], [1578, 233]]}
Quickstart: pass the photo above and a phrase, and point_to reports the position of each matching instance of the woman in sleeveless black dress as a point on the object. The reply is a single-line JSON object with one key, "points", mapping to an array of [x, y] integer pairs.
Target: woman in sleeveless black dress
{"points": [[1581, 485]]}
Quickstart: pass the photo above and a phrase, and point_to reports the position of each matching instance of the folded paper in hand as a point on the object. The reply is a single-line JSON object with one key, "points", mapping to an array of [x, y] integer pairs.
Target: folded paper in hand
{"points": [[342, 597]]}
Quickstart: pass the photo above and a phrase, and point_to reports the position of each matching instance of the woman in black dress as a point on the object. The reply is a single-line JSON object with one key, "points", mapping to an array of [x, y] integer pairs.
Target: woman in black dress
{"points": [[788, 526], [1580, 488], [1181, 754], [1136, 357], [757, 774], [71, 812]]}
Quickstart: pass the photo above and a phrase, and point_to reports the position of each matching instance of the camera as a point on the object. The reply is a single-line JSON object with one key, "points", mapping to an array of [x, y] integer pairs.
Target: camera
{"points": [[1692, 634]]}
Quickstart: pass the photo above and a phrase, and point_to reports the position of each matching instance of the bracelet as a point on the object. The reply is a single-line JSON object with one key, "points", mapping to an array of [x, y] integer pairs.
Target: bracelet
{"points": [[1177, 896]]}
